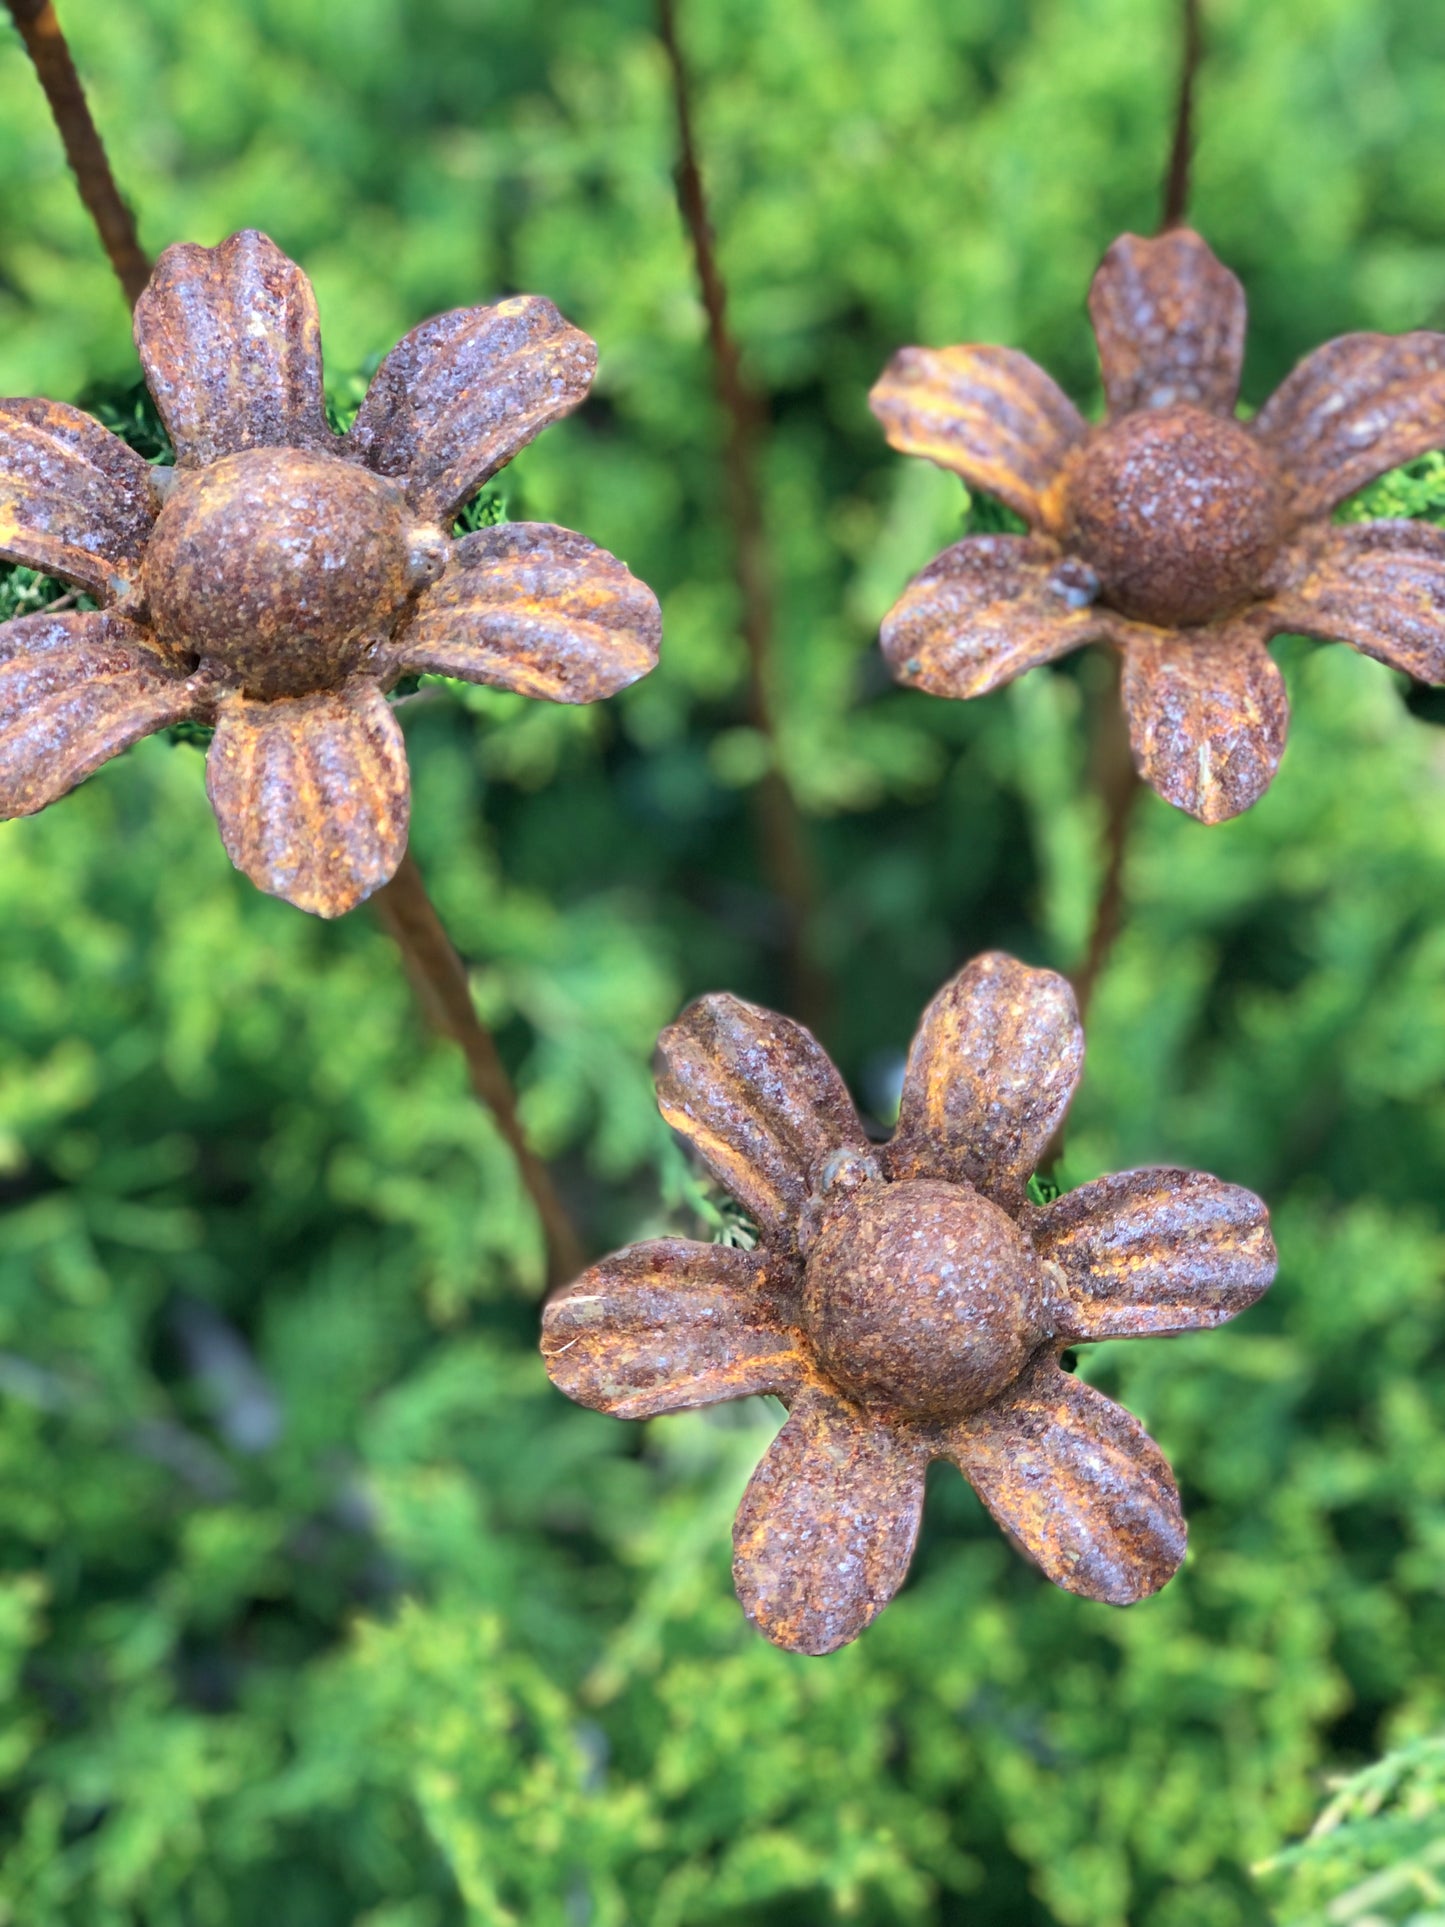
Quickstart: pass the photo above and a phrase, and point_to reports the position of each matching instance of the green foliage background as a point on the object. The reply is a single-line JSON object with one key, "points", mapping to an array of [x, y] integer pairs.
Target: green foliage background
{"points": [[317, 1605]]}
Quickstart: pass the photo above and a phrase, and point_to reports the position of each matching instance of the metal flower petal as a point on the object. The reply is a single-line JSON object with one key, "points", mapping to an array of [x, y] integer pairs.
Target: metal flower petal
{"points": [[989, 1078], [75, 690], [990, 414], [1380, 587], [537, 609], [462, 394], [231, 346], [1145, 1253], [311, 794], [1360, 405], [1169, 320], [1208, 715], [827, 1526], [75, 501], [670, 1325], [986, 610], [1079, 1483], [757, 1098]]}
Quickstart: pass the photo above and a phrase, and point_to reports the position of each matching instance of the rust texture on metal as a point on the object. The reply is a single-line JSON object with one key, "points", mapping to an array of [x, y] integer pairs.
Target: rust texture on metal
{"points": [[281, 578], [462, 394], [536, 609], [1368, 580], [75, 501], [909, 1303], [311, 792], [75, 690], [1169, 320], [989, 608], [991, 414], [1178, 512], [1173, 532], [230, 342], [1208, 716]]}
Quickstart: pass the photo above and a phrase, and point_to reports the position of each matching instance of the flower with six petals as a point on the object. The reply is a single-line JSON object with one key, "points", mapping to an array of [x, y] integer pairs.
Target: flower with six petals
{"points": [[1174, 531], [281, 578], [908, 1302]]}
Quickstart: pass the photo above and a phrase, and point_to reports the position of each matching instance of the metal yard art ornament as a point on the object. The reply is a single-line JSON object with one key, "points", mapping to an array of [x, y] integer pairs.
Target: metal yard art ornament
{"points": [[281, 578], [1174, 531], [909, 1303]]}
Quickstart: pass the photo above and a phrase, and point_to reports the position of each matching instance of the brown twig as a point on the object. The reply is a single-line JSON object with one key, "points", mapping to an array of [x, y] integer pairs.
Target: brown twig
{"points": [[439, 978], [1181, 153], [84, 149], [786, 857]]}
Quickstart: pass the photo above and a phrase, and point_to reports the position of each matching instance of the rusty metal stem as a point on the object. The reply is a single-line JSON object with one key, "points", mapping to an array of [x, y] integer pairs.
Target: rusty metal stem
{"points": [[786, 857], [1117, 785], [1181, 154], [439, 978], [84, 149], [1114, 775]]}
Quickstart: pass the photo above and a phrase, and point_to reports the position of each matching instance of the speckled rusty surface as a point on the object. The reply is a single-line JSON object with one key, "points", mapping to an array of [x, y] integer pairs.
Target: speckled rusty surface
{"points": [[1208, 715], [1079, 1484], [74, 500], [756, 1097], [909, 1304], [989, 608], [75, 690], [459, 396], [281, 578], [922, 1297], [673, 1324], [230, 342], [1169, 320], [311, 793], [285, 571], [991, 1072], [990, 414], [1353, 409], [826, 1529], [1154, 1251], [1369, 580], [1192, 537], [1177, 512], [539, 610]]}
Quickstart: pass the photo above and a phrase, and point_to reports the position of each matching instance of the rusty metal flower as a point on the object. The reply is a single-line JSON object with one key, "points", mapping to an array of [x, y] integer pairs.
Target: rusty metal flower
{"points": [[1179, 534], [910, 1303], [281, 578]]}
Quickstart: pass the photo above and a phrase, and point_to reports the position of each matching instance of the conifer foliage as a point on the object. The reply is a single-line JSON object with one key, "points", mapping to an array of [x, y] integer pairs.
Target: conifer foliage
{"points": [[318, 1603]]}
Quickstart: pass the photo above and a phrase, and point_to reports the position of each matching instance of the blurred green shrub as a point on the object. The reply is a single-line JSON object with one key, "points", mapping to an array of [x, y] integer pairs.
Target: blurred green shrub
{"points": [[1377, 1852], [316, 1604]]}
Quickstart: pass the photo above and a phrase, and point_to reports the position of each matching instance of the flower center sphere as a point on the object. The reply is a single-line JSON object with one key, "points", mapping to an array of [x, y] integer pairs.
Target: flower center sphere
{"points": [[1177, 511], [283, 566], [923, 1297]]}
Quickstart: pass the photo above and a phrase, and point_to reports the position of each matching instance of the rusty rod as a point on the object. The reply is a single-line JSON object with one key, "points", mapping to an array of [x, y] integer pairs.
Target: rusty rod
{"points": [[438, 975], [786, 857], [1181, 152], [1116, 783], [1115, 778], [46, 44]]}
